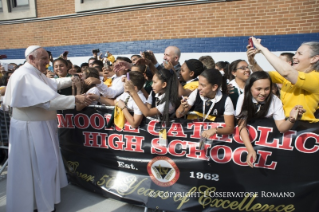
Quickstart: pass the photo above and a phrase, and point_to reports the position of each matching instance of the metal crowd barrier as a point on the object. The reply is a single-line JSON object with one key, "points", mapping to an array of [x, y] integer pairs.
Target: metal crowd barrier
{"points": [[4, 136]]}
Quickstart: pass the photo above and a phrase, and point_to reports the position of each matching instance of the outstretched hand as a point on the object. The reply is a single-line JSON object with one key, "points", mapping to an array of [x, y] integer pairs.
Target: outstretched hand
{"points": [[92, 96], [84, 99], [121, 66], [257, 43], [92, 80]]}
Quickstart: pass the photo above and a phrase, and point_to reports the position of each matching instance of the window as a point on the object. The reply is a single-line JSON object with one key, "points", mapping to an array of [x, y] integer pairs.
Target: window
{"points": [[19, 3], [87, 5], [17, 9]]}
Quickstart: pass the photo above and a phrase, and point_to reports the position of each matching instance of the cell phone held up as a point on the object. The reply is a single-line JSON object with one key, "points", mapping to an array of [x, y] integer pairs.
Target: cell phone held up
{"points": [[65, 53], [250, 42]]}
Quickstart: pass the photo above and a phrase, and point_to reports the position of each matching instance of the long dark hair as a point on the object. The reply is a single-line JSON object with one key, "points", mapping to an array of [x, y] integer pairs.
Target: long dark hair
{"points": [[62, 60], [171, 91], [233, 68], [223, 65], [90, 72], [213, 76], [248, 110]]}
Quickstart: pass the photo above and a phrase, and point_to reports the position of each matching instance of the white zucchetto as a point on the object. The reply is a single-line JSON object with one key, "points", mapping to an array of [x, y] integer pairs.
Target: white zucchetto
{"points": [[30, 49]]}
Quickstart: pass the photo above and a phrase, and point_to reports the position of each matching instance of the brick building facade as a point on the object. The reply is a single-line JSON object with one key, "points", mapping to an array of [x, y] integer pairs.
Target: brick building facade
{"points": [[201, 27]]}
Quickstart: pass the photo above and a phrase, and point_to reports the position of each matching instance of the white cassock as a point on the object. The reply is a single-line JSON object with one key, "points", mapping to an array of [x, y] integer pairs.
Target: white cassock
{"points": [[35, 171]]}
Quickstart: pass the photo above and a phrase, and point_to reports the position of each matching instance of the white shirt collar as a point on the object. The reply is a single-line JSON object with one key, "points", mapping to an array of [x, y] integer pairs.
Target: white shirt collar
{"points": [[217, 98], [160, 97], [191, 80], [234, 83]]}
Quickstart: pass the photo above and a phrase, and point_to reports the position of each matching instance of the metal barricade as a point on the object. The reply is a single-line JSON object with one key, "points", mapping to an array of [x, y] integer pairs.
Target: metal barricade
{"points": [[4, 136]]}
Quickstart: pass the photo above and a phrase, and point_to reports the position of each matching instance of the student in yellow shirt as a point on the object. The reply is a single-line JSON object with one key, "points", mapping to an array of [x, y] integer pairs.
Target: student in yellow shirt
{"points": [[300, 81], [190, 70]]}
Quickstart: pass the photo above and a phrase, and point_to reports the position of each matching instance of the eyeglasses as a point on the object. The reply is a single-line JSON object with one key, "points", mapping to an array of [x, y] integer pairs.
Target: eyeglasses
{"points": [[245, 67]]}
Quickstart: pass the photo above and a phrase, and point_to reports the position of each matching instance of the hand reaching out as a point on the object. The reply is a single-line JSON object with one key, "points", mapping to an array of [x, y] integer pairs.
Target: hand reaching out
{"points": [[121, 66], [93, 96], [257, 42], [92, 80], [84, 99]]}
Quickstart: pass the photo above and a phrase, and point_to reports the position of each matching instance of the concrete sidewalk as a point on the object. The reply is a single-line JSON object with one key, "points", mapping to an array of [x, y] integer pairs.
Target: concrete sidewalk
{"points": [[74, 199]]}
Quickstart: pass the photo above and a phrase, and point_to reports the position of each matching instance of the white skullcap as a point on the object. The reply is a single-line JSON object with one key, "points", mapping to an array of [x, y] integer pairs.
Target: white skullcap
{"points": [[30, 49]]}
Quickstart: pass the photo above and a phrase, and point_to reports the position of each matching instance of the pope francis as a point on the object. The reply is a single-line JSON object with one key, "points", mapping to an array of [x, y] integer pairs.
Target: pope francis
{"points": [[35, 172]]}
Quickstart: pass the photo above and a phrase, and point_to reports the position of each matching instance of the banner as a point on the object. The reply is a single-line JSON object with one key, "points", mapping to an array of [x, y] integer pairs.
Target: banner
{"points": [[130, 165]]}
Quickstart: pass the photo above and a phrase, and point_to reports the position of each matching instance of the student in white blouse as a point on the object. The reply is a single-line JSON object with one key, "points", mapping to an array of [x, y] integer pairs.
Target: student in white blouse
{"points": [[256, 102], [121, 67]]}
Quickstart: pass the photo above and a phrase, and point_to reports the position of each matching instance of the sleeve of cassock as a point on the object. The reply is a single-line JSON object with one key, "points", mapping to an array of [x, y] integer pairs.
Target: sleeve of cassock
{"points": [[59, 103], [62, 83]]}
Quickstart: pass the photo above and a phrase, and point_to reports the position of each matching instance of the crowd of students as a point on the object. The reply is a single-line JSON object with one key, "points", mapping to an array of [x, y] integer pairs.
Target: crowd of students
{"points": [[239, 91]]}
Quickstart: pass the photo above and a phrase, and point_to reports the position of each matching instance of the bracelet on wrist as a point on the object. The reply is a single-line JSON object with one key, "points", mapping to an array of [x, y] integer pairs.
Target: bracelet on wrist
{"points": [[123, 107]]}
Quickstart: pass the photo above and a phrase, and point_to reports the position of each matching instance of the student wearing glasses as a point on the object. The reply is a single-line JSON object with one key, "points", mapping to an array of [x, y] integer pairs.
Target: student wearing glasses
{"points": [[239, 72]]}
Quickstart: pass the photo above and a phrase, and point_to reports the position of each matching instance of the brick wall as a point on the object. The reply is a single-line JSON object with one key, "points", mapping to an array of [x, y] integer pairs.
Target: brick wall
{"points": [[47, 8], [225, 19]]}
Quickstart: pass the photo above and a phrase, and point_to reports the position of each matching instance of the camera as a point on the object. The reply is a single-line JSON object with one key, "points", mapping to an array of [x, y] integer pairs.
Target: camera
{"points": [[95, 51]]}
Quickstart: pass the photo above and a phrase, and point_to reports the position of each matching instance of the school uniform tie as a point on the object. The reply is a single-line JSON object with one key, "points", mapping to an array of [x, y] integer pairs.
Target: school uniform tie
{"points": [[257, 106]]}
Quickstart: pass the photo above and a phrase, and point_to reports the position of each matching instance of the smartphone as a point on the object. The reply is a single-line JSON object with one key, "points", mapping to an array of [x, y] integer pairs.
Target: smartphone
{"points": [[76, 75], [183, 99], [3, 56], [65, 53], [128, 76], [250, 42]]}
